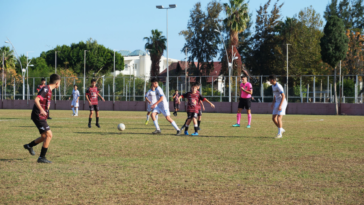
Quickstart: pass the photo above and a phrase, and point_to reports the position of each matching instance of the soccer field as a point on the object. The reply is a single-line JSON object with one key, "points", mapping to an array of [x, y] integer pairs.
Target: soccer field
{"points": [[319, 160]]}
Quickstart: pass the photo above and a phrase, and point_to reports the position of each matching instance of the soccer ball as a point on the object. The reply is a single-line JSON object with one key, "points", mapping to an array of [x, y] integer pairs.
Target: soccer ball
{"points": [[121, 127]]}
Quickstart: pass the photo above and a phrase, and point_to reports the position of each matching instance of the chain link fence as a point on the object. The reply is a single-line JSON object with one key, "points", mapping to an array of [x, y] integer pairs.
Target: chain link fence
{"points": [[301, 89]]}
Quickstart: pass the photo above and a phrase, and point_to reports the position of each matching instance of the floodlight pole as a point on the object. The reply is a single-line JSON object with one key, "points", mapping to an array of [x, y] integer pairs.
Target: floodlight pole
{"points": [[113, 82], [227, 58], [2, 82], [171, 6], [287, 73], [21, 66], [84, 75]]}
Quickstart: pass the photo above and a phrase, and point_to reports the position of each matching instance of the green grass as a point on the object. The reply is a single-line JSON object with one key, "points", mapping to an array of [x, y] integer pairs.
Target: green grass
{"points": [[319, 160]]}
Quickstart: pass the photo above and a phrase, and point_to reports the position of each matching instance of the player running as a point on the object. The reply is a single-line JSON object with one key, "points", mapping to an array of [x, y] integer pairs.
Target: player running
{"points": [[151, 98], [245, 101], [75, 99], [39, 117], [194, 99], [92, 94], [43, 83], [201, 106], [161, 106], [176, 102], [279, 105]]}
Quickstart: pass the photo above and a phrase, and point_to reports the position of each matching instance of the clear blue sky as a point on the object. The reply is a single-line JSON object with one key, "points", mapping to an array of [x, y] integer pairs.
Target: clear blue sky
{"points": [[40, 25]]}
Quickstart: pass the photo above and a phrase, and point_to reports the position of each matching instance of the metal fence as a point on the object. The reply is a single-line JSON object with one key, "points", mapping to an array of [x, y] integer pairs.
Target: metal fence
{"points": [[302, 89]]}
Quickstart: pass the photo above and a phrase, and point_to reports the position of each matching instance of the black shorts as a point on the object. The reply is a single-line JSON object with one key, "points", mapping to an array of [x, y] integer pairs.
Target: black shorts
{"points": [[199, 112], [176, 105], [191, 115], [42, 125], [94, 107], [245, 103]]}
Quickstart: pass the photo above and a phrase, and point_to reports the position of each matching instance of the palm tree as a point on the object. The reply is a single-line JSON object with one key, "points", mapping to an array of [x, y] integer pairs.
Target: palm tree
{"points": [[237, 18], [9, 57], [156, 44]]}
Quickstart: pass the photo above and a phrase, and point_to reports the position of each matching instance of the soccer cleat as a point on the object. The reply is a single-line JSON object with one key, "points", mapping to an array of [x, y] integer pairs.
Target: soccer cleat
{"points": [[283, 130], [76, 115], [73, 114], [97, 125], [278, 136], [43, 160], [146, 122], [183, 127], [89, 125], [49, 118], [248, 126], [186, 132], [30, 149], [195, 134], [178, 132], [174, 114], [236, 125], [156, 132]]}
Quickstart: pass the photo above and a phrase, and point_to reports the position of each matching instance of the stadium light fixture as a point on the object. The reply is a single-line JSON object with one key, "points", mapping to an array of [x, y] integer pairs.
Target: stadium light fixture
{"points": [[172, 6], [159, 7]]}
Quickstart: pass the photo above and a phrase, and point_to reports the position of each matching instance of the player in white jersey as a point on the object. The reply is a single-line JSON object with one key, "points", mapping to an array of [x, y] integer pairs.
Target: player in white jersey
{"points": [[75, 98], [161, 106], [151, 98], [279, 105]]}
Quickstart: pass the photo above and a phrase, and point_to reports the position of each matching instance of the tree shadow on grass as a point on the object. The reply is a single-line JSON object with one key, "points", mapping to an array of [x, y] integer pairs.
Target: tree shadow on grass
{"points": [[119, 133]]}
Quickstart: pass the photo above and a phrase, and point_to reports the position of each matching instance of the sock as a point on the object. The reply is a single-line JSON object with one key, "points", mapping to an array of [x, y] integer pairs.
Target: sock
{"points": [[156, 125], [196, 128], [238, 116], [89, 120], [186, 128], [279, 131], [185, 123], [199, 122], [76, 110], [147, 117], [249, 118], [175, 125], [73, 110], [97, 120], [156, 117], [43, 152], [32, 144]]}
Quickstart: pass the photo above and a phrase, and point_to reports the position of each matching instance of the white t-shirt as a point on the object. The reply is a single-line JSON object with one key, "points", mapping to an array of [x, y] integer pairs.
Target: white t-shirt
{"points": [[277, 91], [159, 93], [151, 96], [75, 95]]}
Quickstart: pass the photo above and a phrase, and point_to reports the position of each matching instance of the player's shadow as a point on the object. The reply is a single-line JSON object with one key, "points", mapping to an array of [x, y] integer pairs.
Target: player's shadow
{"points": [[10, 160], [248, 137], [102, 133], [7, 118]]}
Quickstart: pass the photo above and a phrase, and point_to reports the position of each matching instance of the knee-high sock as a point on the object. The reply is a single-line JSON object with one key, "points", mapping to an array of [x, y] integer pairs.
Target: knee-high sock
{"points": [[73, 110], [238, 116], [156, 125], [147, 117], [76, 110], [175, 125], [249, 118], [156, 117]]}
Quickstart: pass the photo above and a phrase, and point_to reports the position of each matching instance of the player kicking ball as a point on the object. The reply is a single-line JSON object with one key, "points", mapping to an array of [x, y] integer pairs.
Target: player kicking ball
{"points": [[151, 98], [161, 106], [246, 90], [194, 99], [39, 116], [279, 105], [92, 95], [75, 99]]}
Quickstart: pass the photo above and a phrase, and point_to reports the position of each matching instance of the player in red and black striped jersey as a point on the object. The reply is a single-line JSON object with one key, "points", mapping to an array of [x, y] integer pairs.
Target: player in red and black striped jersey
{"points": [[43, 84], [92, 94], [193, 107], [39, 116]]}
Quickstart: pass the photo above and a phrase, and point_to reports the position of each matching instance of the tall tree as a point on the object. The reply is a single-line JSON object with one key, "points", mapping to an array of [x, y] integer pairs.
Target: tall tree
{"points": [[236, 21], [358, 15], [334, 45], [201, 38], [331, 10], [263, 56], [156, 44]]}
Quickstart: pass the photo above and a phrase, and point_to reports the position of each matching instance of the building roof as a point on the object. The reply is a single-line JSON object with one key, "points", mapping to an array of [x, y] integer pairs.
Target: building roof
{"points": [[177, 69], [124, 52], [137, 53]]}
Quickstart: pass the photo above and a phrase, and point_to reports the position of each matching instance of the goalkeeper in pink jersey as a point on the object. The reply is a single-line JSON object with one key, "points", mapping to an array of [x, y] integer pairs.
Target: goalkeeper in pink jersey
{"points": [[245, 100]]}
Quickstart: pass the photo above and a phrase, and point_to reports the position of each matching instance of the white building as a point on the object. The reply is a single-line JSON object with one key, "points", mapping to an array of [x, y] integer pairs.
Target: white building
{"points": [[138, 63]]}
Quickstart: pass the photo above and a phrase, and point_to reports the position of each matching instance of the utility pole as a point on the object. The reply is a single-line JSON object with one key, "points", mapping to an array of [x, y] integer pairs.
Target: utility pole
{"points": [[186, 70], [2, 81], [84, 75], [287, 73]]}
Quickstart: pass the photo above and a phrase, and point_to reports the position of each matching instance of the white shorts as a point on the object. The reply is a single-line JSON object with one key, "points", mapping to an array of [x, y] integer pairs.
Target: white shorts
{"points": [[164, 112], [74, 104], [276, 106]]}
